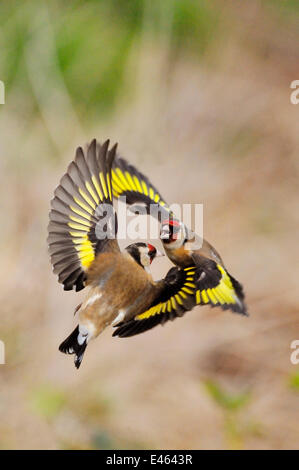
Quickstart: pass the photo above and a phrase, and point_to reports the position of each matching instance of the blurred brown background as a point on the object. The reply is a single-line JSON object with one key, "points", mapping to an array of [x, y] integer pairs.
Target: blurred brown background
{"points": [[197, 94]]}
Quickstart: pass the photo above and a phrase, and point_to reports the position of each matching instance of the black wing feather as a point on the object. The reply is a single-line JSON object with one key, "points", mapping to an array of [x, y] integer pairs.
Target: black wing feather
{"points": [[75, 213], [176, 297], [130, 183]]}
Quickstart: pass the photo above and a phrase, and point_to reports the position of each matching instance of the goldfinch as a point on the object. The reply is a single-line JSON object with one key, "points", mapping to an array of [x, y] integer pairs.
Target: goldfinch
{"points": [[84, 252], [214, 285]]}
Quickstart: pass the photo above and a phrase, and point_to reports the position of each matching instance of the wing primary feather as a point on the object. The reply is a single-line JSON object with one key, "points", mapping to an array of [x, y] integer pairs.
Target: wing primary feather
{"points": [[165, 307], [128, 181], [72, 237]]}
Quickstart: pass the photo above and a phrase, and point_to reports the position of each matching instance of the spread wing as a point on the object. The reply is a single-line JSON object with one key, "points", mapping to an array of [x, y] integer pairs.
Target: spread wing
{"points": [[216, 287], [177, 297], [128, 182], [82, 203], [183, 290]]}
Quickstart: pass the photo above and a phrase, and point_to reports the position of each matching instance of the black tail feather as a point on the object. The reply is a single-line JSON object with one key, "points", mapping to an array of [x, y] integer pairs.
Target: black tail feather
{"points": [[71, 346]]}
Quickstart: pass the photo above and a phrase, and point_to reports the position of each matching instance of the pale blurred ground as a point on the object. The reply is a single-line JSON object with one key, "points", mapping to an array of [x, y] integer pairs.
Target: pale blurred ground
{"points": [[208, 118]]}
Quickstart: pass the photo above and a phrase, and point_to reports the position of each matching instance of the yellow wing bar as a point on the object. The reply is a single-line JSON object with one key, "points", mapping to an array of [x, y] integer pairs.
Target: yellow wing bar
{"points": [[175, 301], [73, 243], [177, 297], [227, 293], [129, 182]]}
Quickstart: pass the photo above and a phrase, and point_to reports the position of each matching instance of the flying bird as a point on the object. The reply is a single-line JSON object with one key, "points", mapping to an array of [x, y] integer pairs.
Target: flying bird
{"points": [[85, 253], [215, 286]]}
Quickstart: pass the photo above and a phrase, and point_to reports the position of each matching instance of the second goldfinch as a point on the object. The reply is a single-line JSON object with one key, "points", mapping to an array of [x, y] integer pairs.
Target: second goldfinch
{"points": [[214, 285]]}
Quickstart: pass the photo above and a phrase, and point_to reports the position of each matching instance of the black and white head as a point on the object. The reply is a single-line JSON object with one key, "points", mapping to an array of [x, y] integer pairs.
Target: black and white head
{"points": [[143, 253], [173, 233]]}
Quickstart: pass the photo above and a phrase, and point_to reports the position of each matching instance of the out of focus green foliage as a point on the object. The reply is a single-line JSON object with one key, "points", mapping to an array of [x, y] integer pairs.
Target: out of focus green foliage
{"points": [[231, 405], [91, 411], [286, 6], [47, 401], [95, 42], [294, 381], [224, 399]]}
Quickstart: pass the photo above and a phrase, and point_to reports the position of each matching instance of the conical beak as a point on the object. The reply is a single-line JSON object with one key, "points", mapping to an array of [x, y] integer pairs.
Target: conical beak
{"points": [[165, 233], [159, 253]]}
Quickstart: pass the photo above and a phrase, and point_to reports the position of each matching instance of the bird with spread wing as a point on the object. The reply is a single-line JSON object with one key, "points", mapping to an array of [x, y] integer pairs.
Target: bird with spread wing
{"points": [[208, 279], [85, 253]]}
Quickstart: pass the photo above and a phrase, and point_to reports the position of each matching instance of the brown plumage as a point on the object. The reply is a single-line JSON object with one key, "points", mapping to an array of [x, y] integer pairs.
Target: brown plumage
{"points": [[118, 283], [214, 285], [85, 253]]}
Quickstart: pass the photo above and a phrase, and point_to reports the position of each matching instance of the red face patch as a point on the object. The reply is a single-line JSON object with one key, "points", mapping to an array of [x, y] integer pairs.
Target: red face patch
{"points": [[151, 247], [151, 251], [174, 223]]}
